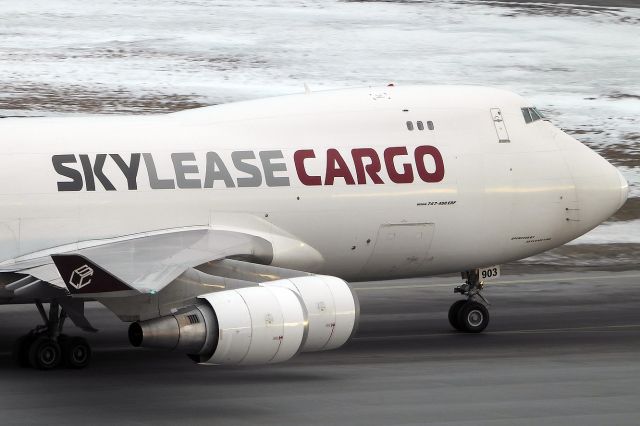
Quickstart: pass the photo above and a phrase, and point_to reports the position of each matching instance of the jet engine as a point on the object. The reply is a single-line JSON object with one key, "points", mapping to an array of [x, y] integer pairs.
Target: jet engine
{"points": [[262, 324]]}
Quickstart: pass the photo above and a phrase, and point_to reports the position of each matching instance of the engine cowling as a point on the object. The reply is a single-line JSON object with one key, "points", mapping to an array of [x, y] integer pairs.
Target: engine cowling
{"points": [[257, 326], [252, 325], [332, 308], [261, 324]]}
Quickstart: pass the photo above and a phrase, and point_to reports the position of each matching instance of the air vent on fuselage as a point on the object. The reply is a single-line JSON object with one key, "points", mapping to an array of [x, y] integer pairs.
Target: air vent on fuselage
{"points": [[193, 319]]}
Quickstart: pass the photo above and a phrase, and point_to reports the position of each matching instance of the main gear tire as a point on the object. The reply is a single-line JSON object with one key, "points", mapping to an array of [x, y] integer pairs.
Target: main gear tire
{"points": [[44, 353], [76, 352], [20, 353]]}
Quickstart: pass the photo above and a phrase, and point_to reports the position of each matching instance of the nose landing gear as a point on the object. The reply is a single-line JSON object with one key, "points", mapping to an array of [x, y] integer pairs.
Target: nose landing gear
{"points": [[45, 347], [471, 314]]}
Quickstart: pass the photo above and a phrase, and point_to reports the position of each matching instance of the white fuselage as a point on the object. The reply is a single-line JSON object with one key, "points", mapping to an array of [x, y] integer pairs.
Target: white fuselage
{"points": [[487, 202]]}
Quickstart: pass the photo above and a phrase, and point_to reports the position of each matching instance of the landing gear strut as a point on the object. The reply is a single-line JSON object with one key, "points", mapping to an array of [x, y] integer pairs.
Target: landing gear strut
{"points": [[471, 314], [45, 347]]}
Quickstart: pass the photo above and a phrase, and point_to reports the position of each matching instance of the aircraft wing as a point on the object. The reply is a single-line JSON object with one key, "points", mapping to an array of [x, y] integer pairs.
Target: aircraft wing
{"points": [[142, 264]]}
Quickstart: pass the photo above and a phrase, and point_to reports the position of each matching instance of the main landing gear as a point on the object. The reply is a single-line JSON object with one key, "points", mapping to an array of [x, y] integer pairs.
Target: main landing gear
{"points": [[471, 314], [45, 347]]}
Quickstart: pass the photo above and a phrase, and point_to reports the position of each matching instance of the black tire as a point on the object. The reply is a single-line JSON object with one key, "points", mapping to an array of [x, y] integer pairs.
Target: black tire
{"points": [[453, 314], [44, 353], [76, 352], [473, 317], [20, 353]]}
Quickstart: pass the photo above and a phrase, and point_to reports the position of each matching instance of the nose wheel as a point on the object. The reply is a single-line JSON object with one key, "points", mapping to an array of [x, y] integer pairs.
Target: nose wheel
{"points": [[471, 314]]}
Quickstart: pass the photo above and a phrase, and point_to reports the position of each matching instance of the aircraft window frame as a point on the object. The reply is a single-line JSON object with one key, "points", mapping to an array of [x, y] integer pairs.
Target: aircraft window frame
{"points": [[541, 115], [410, 125], [534, 115], [420, 125], [430, 125]]}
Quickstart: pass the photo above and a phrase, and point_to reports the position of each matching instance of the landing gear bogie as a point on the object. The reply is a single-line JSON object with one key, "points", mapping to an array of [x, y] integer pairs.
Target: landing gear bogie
{"points": [[45, 348]]}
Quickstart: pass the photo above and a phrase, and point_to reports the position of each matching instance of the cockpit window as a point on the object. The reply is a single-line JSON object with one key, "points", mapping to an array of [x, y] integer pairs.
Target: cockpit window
{"points": [[538, 112], [531, 114], [534, 114]]}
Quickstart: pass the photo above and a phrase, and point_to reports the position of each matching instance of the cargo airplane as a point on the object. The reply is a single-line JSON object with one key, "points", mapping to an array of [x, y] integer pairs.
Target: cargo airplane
{"points": [[229, 232]]}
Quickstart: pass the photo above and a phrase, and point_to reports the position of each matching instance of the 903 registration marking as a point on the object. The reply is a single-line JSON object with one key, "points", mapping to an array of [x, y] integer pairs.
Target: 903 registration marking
{"points": [[489, 273]]}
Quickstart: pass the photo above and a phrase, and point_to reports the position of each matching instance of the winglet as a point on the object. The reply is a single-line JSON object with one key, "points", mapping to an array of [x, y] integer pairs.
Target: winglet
{"points": [[82, 276]]}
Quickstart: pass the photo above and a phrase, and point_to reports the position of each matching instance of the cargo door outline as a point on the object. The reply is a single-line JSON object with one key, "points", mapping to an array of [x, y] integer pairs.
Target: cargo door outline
{"points": [[400, 248]]}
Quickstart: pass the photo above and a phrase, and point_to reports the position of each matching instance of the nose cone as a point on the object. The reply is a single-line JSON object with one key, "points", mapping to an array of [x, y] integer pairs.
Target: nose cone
{"points": [[600, 188], [624, 189]]}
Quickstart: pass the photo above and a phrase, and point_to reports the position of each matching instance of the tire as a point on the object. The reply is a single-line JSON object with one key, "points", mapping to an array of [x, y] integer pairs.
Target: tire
{"points": [[44, 353], [76, 352], [20, 353], [473, 317], [453, 314]]}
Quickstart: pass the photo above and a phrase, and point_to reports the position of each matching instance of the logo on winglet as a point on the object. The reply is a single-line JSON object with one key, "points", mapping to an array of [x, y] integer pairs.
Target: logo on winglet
{"points": [[81, 277]]}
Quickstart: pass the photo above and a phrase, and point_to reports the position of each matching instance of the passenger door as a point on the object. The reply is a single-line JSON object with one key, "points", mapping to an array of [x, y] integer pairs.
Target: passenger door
{"points": [[500, 126]]}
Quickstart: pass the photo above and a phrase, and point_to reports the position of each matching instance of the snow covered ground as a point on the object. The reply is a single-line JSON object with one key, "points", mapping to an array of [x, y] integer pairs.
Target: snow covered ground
{"points": [[579, 64], [607, 233]]}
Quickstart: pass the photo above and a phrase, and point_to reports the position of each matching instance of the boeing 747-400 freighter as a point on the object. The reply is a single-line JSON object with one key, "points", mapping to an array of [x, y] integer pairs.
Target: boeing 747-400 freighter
{"points": [[229, 232]]}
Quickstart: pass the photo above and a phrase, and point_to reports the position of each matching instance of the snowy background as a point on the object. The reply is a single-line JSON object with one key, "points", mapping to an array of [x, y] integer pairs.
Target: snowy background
{"points": [[579, 64]]}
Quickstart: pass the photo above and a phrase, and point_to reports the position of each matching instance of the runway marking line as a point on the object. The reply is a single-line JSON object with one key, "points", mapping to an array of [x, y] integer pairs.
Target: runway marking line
{"points": [[604, 328], [409, 286]]}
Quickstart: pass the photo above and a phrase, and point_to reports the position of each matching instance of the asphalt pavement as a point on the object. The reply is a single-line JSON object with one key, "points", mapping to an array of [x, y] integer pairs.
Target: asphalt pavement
{"points": [[562, 348]]}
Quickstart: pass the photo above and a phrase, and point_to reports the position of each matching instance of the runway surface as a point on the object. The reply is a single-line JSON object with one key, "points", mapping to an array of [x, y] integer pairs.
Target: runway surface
{"points": [[562, 348]]}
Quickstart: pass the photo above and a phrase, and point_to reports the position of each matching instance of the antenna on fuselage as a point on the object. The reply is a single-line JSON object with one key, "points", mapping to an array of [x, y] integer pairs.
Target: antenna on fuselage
{"points": [[307, 91]]}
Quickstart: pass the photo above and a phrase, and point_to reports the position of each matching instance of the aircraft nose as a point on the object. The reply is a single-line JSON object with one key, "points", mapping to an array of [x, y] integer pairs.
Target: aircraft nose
{"points": [[624, 189], [600, 187]]}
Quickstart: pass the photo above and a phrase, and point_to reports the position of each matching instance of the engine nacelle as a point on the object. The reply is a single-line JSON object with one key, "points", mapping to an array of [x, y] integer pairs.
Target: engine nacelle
{"points": [[332, 308], [191, 330], [264, 324], [252, 325], [257, 326]]}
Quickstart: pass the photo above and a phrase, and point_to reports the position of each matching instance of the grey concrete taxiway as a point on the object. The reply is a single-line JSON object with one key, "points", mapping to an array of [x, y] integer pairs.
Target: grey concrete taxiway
{"points": [[562, 348]]}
